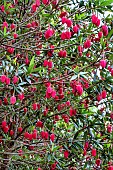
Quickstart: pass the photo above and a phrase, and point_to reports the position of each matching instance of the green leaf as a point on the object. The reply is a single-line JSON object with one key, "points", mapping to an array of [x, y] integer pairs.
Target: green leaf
{"points": [[4, 3], [73, 77], [23, 83], [31, 65], [5, 31], [110, 34], [106, 3], [55, 148], [102, 42], [37, 69]]}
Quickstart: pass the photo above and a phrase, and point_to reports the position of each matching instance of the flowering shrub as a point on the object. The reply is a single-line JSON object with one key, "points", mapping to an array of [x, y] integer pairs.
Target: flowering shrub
{"points": [[56, 85]]}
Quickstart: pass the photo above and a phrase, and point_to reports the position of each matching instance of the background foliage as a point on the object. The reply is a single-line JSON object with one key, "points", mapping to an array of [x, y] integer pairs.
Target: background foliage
{"points": [[56, 84]]}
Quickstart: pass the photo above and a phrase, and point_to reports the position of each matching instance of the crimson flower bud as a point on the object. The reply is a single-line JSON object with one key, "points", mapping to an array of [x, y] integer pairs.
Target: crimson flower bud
{"points": [[69, 23], [103, 63], [49, 33], [29, 25], [5, 24], [93, 152], [2, 8], [100, 34], [99, 97], [34, 106], [39, 169], [63, 36], [109, 128], [30, 137], [110, 168], [3, 78], [53, 94], [87, 43], [64, 19], [13, 26], [68, 103], [105, 30], [53, 166], [4, 123], [26, 135], [63, 14], [46, 2], [5, 129], [79, 89], [15, 35], [37, 3], [20, 129], [55, 2], [12, 100], [46, 135], [21, 96], [86, 145], [68, 34], [80, 48], [72, 111], [7, 80], [95, 20], [75, 29], [39, 124], [111, 115], [34, 8], [15, 79], [10, 50], [52, 137], [34, 135], [11, 132], [50, 64], [104, 94], [45, 64], [66, 154], [98, 162], [20, 152], [25, 109]]}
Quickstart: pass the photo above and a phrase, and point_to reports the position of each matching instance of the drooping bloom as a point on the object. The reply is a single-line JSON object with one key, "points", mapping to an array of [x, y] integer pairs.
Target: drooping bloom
{"points": [[105, 30], [21, 96], [103, 63], [69, 23], [34, 7], [62, 53], [5, 24], [98, 162], [52, 137], [15, 35], [37, 3], [66, 35], [75, 29], [13, 100], [63, 14], [46, 2], [49, 33], [15, 79], [66, 154], [87, 43], [100, 34], [104, 94], [79, 89], [39, 124], [10, 50], [95, 20], [3, 78], [93, 152]]}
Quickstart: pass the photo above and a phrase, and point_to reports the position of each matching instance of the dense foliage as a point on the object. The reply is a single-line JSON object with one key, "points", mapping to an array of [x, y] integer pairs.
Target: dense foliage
{"points": [[56, 85]]}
